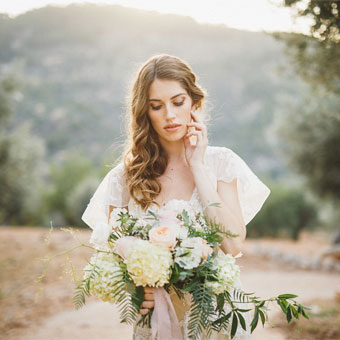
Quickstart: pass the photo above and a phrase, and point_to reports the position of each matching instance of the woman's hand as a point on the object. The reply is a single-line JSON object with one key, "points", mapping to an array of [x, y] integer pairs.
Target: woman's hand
{"points": [[148, 301], [195, 153]]}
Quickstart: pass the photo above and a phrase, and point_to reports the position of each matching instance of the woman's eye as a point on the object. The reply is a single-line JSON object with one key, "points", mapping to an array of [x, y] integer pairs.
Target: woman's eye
{"points": [[159, 106], [156, 107]]}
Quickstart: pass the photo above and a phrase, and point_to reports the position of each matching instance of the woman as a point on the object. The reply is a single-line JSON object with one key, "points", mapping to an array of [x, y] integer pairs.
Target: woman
{"points": [[167, 161]]}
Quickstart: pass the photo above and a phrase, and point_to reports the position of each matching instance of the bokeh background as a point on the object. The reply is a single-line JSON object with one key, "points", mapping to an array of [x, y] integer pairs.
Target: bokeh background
{"points": [[272, 73]]}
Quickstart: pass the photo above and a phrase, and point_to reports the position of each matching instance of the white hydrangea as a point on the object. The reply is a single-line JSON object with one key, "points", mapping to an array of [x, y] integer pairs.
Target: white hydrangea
{"points": [[114, 217], [192, 247], [227, 273], [104, 280], [149, 264]]}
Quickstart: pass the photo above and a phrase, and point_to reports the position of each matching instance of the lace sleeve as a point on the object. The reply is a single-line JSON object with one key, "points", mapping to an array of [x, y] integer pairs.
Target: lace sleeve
{"points": [[252, 192], [111, 191]]}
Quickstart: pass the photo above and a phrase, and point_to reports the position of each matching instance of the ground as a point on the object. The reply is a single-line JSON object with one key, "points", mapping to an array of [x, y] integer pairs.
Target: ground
{"points": [[52, 316]]}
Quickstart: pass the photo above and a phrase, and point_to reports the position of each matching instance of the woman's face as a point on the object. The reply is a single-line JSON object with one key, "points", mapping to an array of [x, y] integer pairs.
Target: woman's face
{"points": [[169, 109]]}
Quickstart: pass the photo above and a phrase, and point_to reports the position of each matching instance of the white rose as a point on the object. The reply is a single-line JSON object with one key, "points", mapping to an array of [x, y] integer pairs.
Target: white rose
{"points": [[197, 227], [182, 233], [192, 247], [100, 234], [114, 217]]}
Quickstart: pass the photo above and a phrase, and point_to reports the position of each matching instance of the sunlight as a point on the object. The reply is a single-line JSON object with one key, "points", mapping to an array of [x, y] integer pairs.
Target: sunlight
{"points": [[251, 15]]}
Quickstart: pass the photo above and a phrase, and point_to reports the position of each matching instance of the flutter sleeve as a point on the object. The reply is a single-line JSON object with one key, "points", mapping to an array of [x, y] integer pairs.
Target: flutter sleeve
{"points": [[111, 191], [252, 192]]}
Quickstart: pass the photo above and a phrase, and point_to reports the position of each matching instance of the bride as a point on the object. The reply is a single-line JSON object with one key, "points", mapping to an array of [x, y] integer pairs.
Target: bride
{"points": [[167, 162]]}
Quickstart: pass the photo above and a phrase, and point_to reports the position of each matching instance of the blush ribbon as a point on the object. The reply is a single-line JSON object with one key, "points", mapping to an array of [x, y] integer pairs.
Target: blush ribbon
{"points": [[164, 322]]}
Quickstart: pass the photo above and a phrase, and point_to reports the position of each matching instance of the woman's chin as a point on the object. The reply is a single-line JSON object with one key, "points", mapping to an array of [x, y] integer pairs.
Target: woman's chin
{"points": [[173, 139]]}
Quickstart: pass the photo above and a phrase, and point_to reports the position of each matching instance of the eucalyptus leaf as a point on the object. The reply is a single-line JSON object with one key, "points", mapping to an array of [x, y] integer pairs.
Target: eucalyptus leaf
{"points": [[287, 296], [234, 325], [255, 320], [242, 321], [263, 318], [289, 314]]}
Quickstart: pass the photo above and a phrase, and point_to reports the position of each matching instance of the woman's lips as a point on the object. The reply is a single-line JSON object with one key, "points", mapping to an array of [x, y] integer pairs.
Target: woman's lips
{"points": [[172, 128]]}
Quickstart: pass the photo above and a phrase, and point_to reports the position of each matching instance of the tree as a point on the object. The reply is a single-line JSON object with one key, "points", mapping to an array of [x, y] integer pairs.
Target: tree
{"points": [[325, 15], [316, 57], [311, 131], [286, 214], [20, 164], [311, 128], [66, 181]]}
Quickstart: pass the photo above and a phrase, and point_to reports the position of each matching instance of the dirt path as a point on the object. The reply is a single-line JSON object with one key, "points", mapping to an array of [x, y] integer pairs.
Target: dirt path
{"points": [[54, 317], [100, 321]]}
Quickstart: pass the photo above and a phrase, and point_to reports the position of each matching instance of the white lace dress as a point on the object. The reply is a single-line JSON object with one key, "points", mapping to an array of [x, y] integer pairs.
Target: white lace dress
{"points": [[222, 164]]}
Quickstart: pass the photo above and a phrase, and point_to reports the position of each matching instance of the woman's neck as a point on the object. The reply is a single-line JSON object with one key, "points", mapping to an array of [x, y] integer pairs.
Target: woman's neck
{"points": [[175, 151]]}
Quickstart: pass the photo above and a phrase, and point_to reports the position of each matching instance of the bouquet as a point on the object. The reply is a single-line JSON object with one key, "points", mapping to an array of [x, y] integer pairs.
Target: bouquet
{"points": [[172, 251]]}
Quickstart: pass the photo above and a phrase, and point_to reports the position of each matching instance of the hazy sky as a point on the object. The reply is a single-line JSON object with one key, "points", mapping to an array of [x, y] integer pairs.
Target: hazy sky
{"points": [[253, 15]]}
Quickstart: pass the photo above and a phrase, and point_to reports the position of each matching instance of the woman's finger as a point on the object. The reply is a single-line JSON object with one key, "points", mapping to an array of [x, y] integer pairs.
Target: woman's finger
{"points": [[148, 304], [149, 297], [196, 125], [194, 133], [193, 114], [148, 289], [143, 311]]}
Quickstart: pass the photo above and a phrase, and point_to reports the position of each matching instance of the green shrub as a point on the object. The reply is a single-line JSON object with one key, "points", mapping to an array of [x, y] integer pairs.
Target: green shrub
{"points": [[285, 214], [64, 180], [78, 200]]}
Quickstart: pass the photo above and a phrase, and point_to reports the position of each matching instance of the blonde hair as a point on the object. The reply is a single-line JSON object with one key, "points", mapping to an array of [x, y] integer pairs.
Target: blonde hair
{"points": [[144, 158]]}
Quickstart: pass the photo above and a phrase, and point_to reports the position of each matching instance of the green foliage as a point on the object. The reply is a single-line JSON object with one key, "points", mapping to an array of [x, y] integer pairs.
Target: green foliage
{"points": [[312, 142], [200, 310], [21, 166], [316, 62], [309, 128], [325, 14], [83, 288], [65, 189], [8, 85], [284, 215]]}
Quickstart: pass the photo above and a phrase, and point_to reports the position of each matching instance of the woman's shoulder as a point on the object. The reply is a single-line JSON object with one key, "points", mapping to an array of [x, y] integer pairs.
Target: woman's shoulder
{"points": [[117, 169], [215, 153], [115, 178], [225, 161]]}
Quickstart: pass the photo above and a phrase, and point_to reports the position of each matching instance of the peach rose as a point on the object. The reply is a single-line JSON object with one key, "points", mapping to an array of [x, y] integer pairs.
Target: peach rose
{"points": [[206, 249], [163, 235], [169, 219]]}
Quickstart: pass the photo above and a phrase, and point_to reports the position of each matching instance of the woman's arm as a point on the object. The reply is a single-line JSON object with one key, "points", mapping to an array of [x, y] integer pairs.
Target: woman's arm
{"points": [[229, 212]]}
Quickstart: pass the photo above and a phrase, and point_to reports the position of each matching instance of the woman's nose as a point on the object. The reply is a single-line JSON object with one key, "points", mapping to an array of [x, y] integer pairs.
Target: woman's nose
{"points": [[169, 114]]}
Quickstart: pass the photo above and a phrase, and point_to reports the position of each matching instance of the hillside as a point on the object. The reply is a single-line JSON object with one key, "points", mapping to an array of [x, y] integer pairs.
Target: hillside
{"points": [[76, 63]]}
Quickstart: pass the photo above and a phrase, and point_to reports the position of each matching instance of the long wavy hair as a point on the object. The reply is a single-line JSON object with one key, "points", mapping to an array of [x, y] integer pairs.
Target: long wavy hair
{"points": [[144, 158]]}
